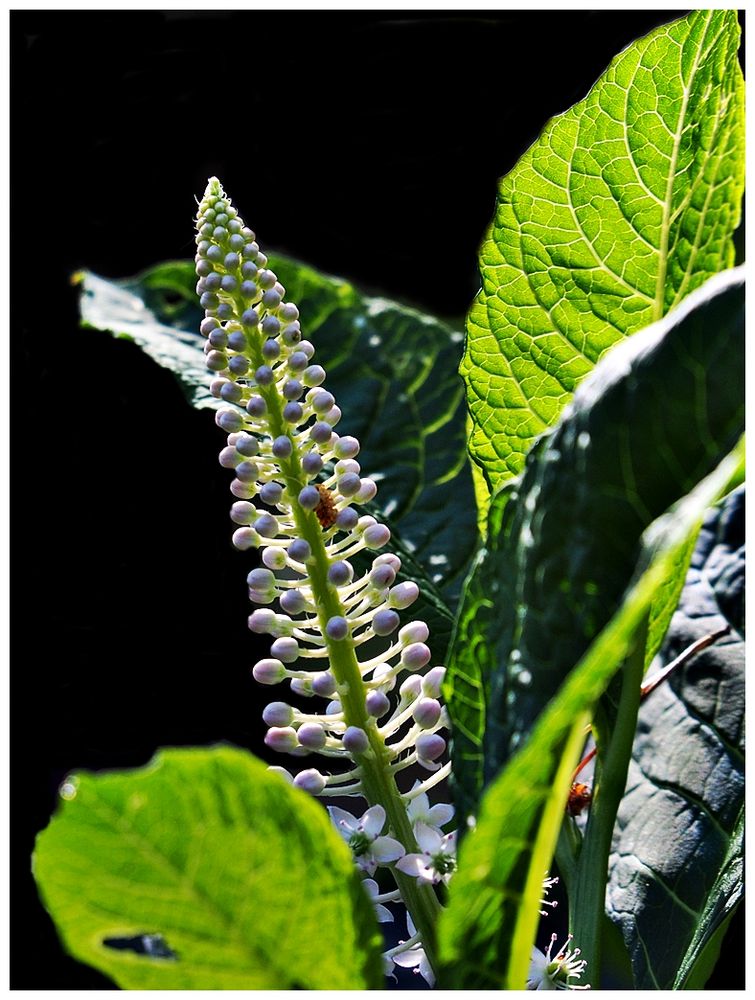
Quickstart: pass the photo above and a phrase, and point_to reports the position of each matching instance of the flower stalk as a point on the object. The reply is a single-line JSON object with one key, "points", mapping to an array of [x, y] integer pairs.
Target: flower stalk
{"points": [[296, 481]]}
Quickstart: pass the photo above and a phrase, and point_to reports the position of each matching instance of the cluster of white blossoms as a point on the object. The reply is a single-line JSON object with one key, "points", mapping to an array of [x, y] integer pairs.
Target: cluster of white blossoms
{"points": [[331, 602]]}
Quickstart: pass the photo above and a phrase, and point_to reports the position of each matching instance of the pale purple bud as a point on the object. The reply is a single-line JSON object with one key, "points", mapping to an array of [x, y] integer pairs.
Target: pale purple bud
{"points": [[243, 512], [248, 289], [346, 447], [266, 525], [293, 412], [229, 458], [333, 707], [376, 536], [261, 621], [302, 686], [426, 712], [247, 445], [207, 325], [248, 269], [218, 338], [367, 492], [289, 312], [229, 420], [382, 576], [321, 432], [261, 579], [312, 736], [228, 283], [333, 415], [414, 632], [309, 498], [337, 628], [299, 550], [346, 465], [322, 401], [271, 493], [349, 484], [385, 622], [292, 389], [403, 595], [382, 676], [231, 261], [269, 672], [237, 340], [266, 278], [230, 392], [281, 738], [247, 472], [311, 463], [291, 334], [278, 713], [324, 684], [298, 361], [271, 299], [274, 558], [271, 350], [244, 491], [313, 375], [347, 519], [270, 326], [250, 317], [208, 300], [432, 681], [310, 781], [293, 602], [256, 407], [239, 365], [245, 538], [411, 687], [263, 375], [430, 746], [355, 740], [286, 650], [377, 704], [282, 446], [388, 559], [415, 656], [340, 573]]}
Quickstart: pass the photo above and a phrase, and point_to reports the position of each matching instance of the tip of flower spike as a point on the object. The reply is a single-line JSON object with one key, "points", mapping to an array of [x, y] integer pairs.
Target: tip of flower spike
{"points": [[214, 187]]}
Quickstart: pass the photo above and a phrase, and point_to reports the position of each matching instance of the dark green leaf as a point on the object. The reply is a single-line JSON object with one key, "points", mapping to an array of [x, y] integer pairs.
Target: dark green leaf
{"points": [[486, 934], [624, 205], [393, 372], [655, 416], [675, 860], [205, 871]]}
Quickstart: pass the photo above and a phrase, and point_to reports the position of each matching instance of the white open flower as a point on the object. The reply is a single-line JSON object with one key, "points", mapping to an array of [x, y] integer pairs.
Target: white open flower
{"points": [[437, 862], [384, 915], [363, 837], [419, 810], [414, 957], [549, 972]]}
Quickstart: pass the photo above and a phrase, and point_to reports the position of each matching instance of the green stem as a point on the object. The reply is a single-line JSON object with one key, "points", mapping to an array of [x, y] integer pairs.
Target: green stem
{"points": [[587, 905], [378, 783]]}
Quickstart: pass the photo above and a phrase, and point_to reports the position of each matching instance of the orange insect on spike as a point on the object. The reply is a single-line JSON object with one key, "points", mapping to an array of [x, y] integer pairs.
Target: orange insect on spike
{"points": [[580, 796], [326, 509]]}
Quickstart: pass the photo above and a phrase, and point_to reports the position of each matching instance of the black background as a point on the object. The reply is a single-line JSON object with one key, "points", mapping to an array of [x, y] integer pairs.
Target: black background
{"points": [[367, 144]]}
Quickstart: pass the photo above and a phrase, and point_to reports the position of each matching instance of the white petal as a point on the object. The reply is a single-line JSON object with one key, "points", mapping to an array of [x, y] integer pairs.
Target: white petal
{"points": [[409, 959], [384, 915], [412, 864], [425, 970], [373, 821], [345, 823], [366, 863], [371, 887], [386, 849], [449, 843], [428, 838], [440, 814]]}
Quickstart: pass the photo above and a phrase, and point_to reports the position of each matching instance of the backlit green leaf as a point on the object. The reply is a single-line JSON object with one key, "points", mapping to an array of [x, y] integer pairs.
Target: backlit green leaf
{"points": [[486, 934], [223, 874], [624, 205], [655, 416]]}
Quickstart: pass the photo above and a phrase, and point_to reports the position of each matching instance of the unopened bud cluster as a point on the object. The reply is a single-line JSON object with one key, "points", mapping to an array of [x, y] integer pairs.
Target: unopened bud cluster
{"points": [[337, 634]]}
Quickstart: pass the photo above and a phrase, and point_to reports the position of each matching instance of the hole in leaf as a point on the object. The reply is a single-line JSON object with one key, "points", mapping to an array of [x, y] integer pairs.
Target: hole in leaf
{"points": [[152, 945]]}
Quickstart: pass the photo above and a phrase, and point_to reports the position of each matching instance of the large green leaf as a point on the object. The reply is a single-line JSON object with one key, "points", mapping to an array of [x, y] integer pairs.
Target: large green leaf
{"points": [[219, 873], [654, 417], [393, 372], [624, 205], [486, 934], [676, 857]]}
